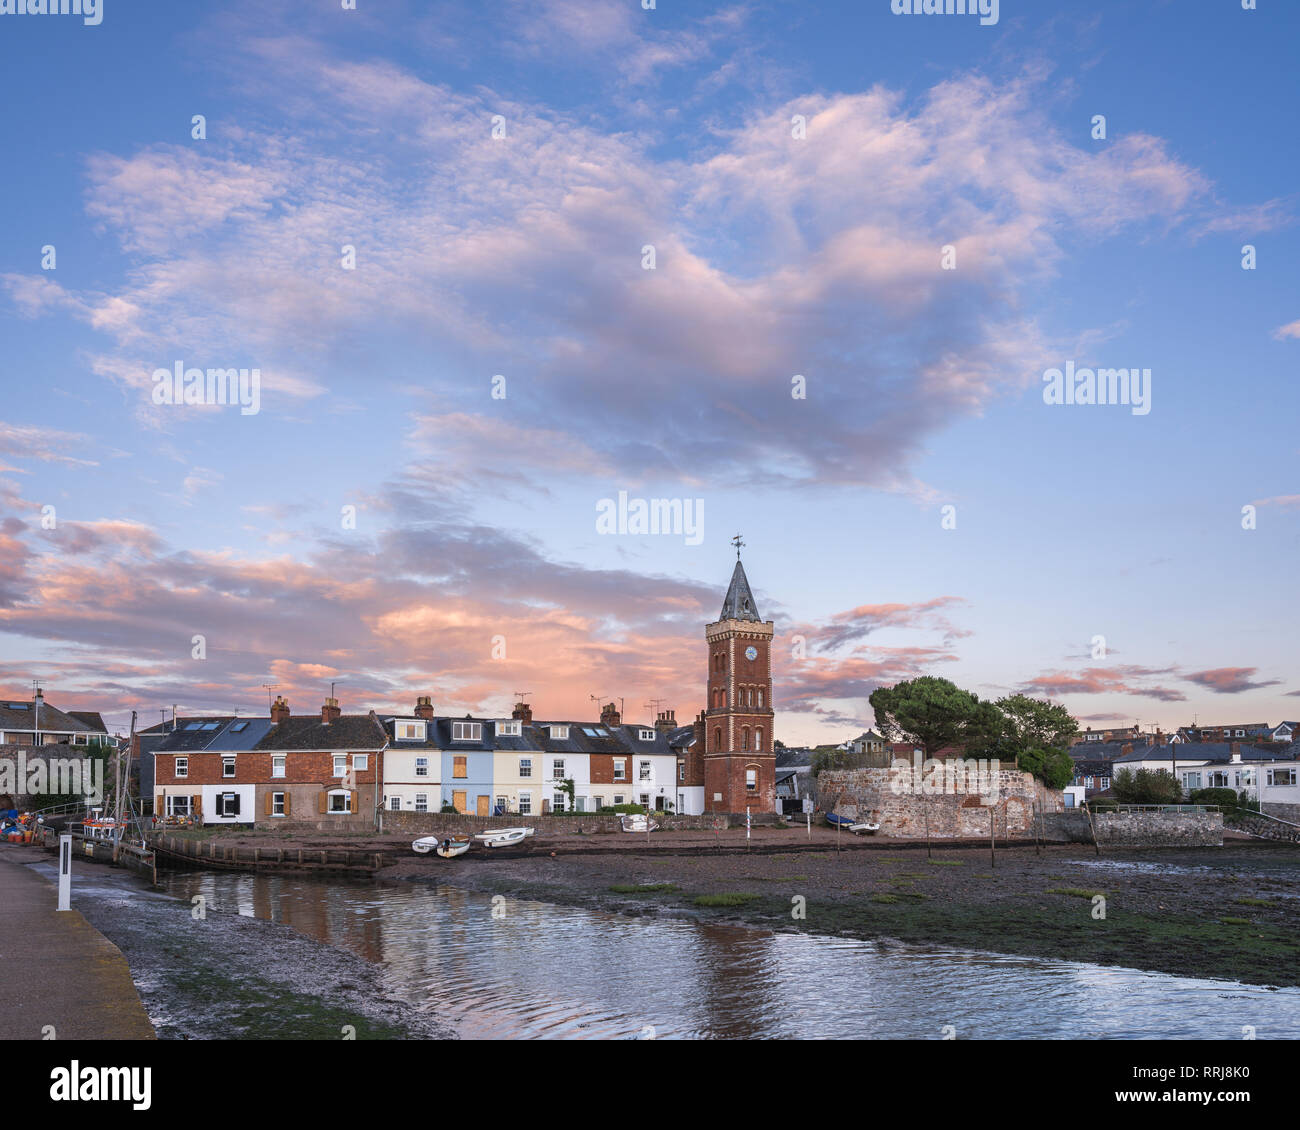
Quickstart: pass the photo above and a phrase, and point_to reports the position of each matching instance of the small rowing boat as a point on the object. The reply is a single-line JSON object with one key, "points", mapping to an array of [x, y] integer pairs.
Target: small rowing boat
{"points": [[504, 837], [639, 822], [857, 827], [446, 847]]}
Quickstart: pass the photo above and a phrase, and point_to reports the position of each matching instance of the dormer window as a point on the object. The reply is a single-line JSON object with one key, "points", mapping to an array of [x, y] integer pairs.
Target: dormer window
{"points": [[467, 731], [511, 729], [411, 731], [560, 733], [646, 735]]}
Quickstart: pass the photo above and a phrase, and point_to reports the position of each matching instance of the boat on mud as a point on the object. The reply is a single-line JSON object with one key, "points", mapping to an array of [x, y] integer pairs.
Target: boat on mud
{"points": [[504, 837]]}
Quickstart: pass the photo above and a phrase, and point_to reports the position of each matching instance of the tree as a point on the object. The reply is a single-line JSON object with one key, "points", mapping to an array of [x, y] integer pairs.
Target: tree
{"points": [[1146, 786], [1054, 767], [933, 713], [1033, 723]]}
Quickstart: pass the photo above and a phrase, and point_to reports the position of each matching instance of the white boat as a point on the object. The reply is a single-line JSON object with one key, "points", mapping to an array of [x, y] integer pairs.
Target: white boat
{"points": [[504, 837], [449, 849], [639, 822], [864, 829], [446, 847]]}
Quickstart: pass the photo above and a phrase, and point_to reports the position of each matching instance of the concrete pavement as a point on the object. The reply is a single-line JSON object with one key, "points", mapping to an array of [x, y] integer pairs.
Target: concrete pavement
{"points": [[55, 968]]}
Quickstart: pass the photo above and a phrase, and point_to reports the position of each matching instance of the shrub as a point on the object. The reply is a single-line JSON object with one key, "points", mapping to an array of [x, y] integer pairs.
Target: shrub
{"points": [[1146, 786], [623, 809], [1224, 798]]}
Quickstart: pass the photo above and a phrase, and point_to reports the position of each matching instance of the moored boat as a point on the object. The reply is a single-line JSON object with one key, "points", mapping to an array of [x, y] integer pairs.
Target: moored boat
{"points": [[639, 822], [504, 837], [446, 846]]}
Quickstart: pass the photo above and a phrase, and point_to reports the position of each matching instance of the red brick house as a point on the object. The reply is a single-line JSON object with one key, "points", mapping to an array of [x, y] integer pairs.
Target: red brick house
{"points": [[321, 768]]}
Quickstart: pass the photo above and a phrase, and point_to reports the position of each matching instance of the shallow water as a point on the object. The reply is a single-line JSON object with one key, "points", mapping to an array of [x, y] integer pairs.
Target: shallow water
{"points": [[540, 970]]}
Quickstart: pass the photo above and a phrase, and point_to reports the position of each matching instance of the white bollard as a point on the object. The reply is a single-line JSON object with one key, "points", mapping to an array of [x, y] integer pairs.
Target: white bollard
{"points": [[65, 873]]}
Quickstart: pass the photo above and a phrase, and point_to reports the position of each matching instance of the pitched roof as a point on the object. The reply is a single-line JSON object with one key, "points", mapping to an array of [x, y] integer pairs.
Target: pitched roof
{"points": [[739, 604], [346, 732], [1216, 753], [19, 715], [91, 718]]}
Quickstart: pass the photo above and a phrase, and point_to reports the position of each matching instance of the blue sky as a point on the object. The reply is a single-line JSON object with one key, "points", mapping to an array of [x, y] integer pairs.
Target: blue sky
{"points": [[775, 256]]}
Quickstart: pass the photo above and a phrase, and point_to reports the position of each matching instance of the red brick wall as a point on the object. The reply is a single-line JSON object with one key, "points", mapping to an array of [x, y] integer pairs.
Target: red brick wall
{"points": [[255, 768], [725, 774]]}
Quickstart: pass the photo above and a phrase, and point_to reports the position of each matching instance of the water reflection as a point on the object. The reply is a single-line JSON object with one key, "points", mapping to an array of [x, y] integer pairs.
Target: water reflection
{"points": [[539, 970]]}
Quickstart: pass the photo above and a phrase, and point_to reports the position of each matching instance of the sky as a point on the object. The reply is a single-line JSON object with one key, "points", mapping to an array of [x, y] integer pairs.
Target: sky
{"points": [[799, 269]]}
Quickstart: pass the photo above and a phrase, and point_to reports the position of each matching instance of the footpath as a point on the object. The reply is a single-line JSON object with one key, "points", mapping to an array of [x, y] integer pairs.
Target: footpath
{"points": [[56, 970]]}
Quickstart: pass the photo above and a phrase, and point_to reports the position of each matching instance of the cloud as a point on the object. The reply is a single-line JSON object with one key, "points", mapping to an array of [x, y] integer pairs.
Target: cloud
{"points": [[46, 444], [1128, 680], [1290, 330], [1230, 680], [523, 255]]}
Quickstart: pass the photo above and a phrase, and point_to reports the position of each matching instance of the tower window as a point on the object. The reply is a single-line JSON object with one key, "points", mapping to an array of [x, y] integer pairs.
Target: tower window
{"points": [[717, 738], [760, 699], [744, 738]]}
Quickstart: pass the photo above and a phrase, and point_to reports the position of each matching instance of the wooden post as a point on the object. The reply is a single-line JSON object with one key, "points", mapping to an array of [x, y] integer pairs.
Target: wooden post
{"points": [[993, 833]]}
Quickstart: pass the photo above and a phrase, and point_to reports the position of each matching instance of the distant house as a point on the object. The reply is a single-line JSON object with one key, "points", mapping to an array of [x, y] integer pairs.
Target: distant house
{"points": [[1286, 732], [1207, 765], [35, 722], [1106, 734], [1226, 732], [870, 742]]}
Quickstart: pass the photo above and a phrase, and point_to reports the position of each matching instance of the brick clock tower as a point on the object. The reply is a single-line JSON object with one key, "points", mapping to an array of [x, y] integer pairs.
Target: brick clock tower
{"points": [[739, 760]]}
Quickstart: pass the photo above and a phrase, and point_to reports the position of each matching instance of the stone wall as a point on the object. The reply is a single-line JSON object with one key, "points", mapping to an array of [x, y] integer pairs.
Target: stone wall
{"points": [[589, 823], [892, 800], [1289, 812], [1159, 829]]}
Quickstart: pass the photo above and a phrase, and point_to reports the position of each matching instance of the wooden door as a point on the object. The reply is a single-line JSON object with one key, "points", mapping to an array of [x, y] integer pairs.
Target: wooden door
{"points": [[458, 801], [483, 806]]}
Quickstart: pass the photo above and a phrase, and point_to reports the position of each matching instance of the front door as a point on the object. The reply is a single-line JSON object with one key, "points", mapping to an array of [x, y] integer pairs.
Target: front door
{"points": [[458, 801], [482, 806]]}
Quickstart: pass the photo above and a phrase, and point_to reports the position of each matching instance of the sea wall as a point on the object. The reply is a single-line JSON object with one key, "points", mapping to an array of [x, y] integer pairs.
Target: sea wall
{"points": [[1159, 829], [906, 805]]}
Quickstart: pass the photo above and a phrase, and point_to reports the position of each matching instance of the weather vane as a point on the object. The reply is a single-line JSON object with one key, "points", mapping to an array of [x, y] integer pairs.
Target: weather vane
{"points": [[737, 543]]}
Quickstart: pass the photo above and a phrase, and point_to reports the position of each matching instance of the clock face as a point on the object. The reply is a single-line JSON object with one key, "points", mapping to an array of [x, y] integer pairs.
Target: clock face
{"points": [[751, 653]]}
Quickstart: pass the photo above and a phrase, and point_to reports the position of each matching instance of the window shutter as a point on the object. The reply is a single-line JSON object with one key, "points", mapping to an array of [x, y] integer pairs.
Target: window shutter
{"points": [[234, 811], [286, 804], [322, 801], [352, 801], [196, 804], [269, 807]]}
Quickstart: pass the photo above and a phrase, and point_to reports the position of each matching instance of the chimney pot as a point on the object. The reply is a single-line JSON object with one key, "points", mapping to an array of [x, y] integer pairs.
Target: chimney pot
{"points": [[609, 715], [523, 712], [279, 710], [330, 711], [424, 707]]}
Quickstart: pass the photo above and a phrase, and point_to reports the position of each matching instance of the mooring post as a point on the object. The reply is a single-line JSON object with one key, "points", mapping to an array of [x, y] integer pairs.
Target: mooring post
{"points": [[65, 873]]}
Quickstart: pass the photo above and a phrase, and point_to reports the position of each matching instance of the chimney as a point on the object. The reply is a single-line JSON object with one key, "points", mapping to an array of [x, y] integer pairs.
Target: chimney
{"points": [[424, 707], [523, 712], [1126, 748], [1161, 737], [666, 720], [279, 710], [39, 698], [330, 711], [609, 716]]}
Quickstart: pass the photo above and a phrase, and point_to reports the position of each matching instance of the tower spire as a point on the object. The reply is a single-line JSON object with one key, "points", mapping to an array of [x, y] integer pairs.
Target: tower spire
{"points": [[739, 604]]}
